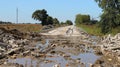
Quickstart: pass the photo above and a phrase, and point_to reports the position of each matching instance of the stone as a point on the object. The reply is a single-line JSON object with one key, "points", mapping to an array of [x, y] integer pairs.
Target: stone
{"points": [[56, 65], [3, 45], [78, 60], [12, 51], [14, 56], [2, 56]]}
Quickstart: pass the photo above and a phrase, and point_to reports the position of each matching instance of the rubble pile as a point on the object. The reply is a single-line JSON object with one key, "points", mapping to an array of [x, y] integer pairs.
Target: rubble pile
{"points": [[15, 42], [110, 46]]}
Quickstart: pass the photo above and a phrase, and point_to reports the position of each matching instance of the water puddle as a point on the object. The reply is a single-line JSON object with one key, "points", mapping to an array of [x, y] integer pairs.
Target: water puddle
{"points": [[41, 46], [86, 59]]}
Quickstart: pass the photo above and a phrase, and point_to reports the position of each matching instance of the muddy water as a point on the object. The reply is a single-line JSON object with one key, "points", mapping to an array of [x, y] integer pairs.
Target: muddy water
{"points": [[63, 56]]}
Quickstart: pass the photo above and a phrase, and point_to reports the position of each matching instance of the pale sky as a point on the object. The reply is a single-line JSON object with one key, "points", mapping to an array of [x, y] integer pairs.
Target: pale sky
{"points": [[61, 9]]}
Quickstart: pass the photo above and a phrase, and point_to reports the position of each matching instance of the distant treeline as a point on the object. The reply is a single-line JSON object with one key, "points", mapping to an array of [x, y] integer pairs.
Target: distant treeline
{"points": [[3, 22], [84, 19], [46, 19]]}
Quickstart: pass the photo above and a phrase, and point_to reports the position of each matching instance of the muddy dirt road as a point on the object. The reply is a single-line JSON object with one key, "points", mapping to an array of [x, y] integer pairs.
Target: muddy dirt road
{"points": [[62, 47]]}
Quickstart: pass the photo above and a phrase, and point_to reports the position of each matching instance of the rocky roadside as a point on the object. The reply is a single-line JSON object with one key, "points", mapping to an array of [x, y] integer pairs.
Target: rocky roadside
{"points": [[110, 47]]}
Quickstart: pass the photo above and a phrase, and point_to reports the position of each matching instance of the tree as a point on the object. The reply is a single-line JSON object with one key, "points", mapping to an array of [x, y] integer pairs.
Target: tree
{"points": [[40, 15], [49, 20], [82, 19], [69, 22], [86, 19], [55, 21], [78, 19], [3, 22], [62, 22], [110, 16]]}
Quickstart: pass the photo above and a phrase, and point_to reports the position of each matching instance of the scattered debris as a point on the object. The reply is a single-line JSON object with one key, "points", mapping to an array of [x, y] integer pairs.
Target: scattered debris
{"points": [[110, 46]]}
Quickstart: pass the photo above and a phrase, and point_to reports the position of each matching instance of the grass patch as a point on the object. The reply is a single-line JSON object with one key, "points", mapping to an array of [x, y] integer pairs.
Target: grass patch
{"points": [[115, 30], [91, 29], [95, 30]]}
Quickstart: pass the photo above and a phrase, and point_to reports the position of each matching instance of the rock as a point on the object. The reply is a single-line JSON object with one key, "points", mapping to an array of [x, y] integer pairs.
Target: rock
{"points": [[2, 56], [78, 60], [5, 62], [56, 65], [82, 65], [118, 58], [13, 51], [35, 54], [14, 56], [91, 65], [53, 52], [11, 41], [65, 55], [109, 59], [97, 65], [99, 62], [2, 49], [3, 45], [98, 52], [26, 52]]}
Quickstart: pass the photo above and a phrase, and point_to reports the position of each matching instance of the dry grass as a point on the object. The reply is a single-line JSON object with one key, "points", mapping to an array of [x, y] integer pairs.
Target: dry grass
{"points": [[23, 27]]}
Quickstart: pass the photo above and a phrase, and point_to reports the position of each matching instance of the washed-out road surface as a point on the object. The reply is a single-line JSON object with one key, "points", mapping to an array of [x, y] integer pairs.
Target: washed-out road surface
{"points": [[66, 31]]}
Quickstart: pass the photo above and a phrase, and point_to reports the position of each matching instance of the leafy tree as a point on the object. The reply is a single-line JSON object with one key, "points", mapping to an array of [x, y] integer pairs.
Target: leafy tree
{"points": [[78, 19], [40, 15], [93, 21], [82, 19], [3, 22], [49, 20], [110, 16], [62, 22], [55, 21], [86, 19], [69, 22]]}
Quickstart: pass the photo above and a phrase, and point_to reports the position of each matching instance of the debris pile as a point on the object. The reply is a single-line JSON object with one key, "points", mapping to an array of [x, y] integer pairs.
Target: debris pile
{"points": [[13, 43], [110, 46]]}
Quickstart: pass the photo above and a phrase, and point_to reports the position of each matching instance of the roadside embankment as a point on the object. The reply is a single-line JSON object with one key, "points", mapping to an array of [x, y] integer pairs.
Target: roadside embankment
{"points": [[110, 46]]}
